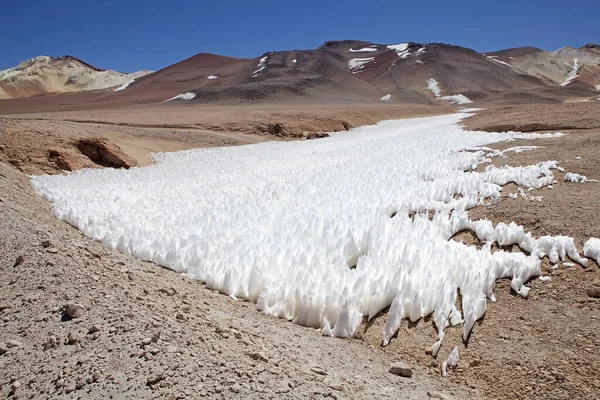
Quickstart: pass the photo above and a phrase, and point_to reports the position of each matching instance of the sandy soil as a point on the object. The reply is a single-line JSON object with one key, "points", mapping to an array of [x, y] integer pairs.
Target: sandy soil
{"points": [[546, 346]]}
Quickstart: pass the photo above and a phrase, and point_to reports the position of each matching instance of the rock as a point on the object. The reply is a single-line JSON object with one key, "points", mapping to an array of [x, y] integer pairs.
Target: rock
{"points": [[3, 349], [20, 259], [146, 341], [316, 135], [258, 356], [103, 152], [474, 363], [347, 125], [59, 383], [276, 129], [318, 371], [13, 343], [236, 388], [153, 380], [401, 369], [70, 388], [64, 160], [72, 338], [46, 243], [52, 250], [593, 291], [93, 329], [73, 310], [14, 386]]}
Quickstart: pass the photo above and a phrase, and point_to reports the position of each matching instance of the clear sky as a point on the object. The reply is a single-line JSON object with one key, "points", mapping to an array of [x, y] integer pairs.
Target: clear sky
{"points": [[151, 34]]}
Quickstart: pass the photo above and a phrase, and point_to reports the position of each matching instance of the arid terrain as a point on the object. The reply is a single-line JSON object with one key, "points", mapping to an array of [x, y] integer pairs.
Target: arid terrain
{"points": [[83, 321]]}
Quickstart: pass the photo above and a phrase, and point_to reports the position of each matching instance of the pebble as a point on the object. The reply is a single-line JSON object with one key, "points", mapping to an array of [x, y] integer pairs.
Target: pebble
{"points": [[74, 310], [318, 371], [52, 250], [401, 369], [146, 341], [14, 386], [594, 292], [13, 343], [70, 388], [20, 259], [258, 356], [59, 383], [3, 349], [236, 388], [93, 329]]}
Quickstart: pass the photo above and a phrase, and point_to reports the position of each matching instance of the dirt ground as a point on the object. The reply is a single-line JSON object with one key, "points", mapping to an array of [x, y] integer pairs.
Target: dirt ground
{"points": [[140, 131], [148, 332]]}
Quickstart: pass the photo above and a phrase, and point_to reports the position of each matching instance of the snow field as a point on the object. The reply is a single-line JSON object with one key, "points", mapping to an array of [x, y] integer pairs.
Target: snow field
{"points": [[324, 232], [124, 86], [357, 64], [183, 96]]}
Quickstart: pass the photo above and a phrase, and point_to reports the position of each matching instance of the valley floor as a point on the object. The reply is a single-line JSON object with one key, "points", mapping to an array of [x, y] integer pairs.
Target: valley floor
{"points": [[146, 332]]}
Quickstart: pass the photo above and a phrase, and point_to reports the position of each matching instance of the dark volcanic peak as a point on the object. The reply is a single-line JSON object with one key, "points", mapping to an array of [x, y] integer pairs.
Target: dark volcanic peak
{"points": [[590, 45], [73, 58]]}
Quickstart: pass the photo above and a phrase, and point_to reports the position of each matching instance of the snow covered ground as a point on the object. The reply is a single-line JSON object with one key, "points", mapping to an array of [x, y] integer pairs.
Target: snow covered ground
{"points": [[124, 86], [324, 232], [183, 96]]}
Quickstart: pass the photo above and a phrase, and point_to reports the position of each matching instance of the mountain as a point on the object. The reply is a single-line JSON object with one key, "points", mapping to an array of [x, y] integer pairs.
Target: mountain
{"points": [[565, 66], [43, 75], [337, 71]]}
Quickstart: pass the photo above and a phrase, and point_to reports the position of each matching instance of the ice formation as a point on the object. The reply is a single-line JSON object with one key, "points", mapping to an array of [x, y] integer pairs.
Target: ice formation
{"points": [[365, 49], [124, 86], [573, 177], [212, 77], [591, 249], [324, 233], [387, 97], [356, 64], [403, 51], [262, 64], [451, 361], [183, 96]]}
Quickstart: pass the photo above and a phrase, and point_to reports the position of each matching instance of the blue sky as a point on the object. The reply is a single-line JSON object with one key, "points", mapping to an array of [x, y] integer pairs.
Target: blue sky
{"points": [[133, 35]]}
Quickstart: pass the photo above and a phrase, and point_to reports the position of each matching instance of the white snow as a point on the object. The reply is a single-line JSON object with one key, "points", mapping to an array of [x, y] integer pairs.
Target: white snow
{"points": [[212, 77], [294, 61], [545, 278], [387, 97], [183, 96], [357, 64], [434, 86], [398, 48], [363, 50], [457, 99], [262, 64], [333, 244], [403, 51], [591, 249], [573, 74], [451, 361], [573, 177], [493, 58], [124, 86]]}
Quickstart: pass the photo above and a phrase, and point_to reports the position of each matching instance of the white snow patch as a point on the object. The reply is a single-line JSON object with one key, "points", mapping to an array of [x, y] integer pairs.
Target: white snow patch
{"points": [[545, 278], [451, 361], [419, 62], [212, 77], [493, 58], [294, 61], [573, 177], [569, 264], [469, 110], [262, 64], [573, 74], [357, 64], [363, 50], [320, 248], [457, 99], [124, 86], [387, 97], [433, 85], [183, 96], [591, 249], [398, 48]]}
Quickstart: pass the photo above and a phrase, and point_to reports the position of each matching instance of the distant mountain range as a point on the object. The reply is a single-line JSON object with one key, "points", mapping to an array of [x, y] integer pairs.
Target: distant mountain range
{"points": [[347, 70]]}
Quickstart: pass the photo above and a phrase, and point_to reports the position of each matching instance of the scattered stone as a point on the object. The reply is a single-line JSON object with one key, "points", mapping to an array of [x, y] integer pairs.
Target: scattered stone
{"points": [[258, 356], [3, 349], [318, 371], [153, 380], [14, 386], [236, 388], [46, 243], [72, 338], [59, 383], [474, 363], [594, 291], [20, 259], [347, 125], [401, 369], [73, 310], [130, 276], [316, 135], [146, 341], [52, 250], [13, 343], [93, 329], [70, 388]]}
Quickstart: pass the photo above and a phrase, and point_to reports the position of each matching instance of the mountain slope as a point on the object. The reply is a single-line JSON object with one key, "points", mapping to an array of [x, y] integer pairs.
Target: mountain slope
{"points": [[42, 75], [564, 66]]}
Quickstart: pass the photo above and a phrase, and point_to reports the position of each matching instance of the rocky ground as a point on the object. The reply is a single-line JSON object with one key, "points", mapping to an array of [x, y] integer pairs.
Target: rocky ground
{"points": [[83, 321]]}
